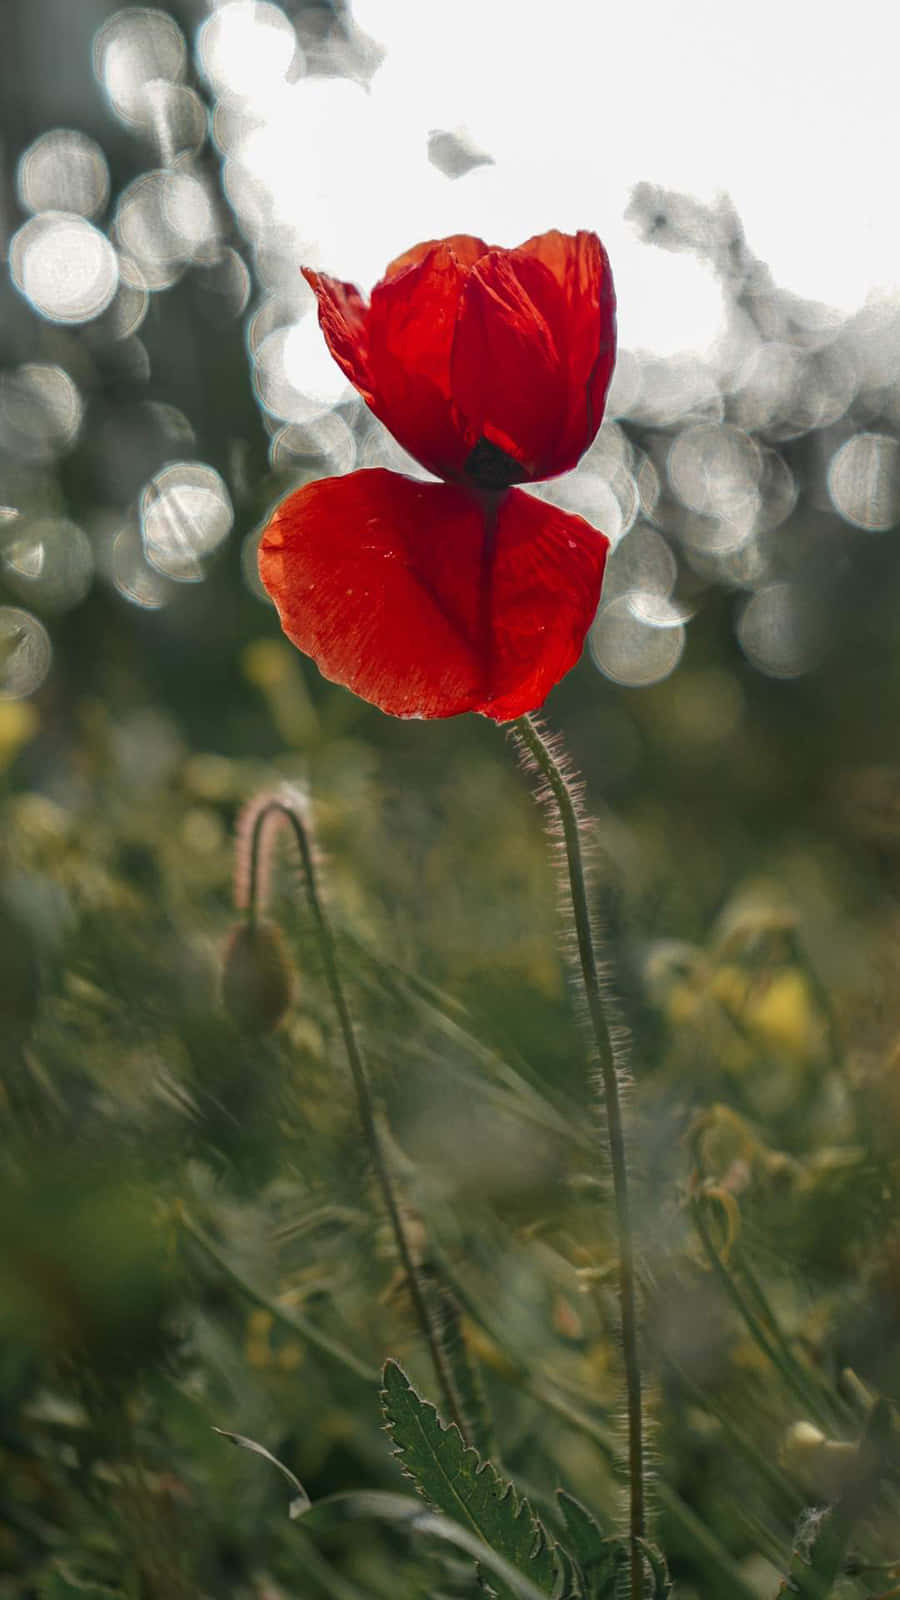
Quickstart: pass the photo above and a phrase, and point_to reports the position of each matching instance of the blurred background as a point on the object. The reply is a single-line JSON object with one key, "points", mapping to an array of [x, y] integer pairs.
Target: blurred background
{"points": [[183, 1196]]}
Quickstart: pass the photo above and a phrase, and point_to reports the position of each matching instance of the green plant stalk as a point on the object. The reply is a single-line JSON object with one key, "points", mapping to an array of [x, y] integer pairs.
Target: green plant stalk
{"points": [[704, 1547], [291, 1320], [765, 1466], [334, 1584], [814, 1577], [819, 1393], [529, 733], [799, 1387], [418, 1294]]}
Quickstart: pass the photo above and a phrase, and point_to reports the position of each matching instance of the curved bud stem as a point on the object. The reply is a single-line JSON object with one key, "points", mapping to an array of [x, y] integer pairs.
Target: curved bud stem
{"points": [[286, 807], [558, 793]]}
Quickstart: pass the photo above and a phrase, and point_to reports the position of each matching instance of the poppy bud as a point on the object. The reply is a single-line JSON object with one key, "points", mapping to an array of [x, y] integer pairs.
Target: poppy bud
{"points": [[256, 977]]}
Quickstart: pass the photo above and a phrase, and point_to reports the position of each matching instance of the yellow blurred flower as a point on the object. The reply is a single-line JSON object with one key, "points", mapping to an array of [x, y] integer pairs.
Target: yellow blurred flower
{"points": [[19, 722], [776, 1007]]}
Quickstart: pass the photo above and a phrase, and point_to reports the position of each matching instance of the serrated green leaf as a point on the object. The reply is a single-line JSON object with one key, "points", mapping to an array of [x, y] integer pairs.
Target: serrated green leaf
{"points": [[586, 1537], [452, 1477], [569, 1585], [599, 1557], [659, 1572], [465, 1375]]}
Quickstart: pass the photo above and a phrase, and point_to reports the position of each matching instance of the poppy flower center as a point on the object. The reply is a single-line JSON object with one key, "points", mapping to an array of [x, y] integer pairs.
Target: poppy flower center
{"points": [[489, 467]]}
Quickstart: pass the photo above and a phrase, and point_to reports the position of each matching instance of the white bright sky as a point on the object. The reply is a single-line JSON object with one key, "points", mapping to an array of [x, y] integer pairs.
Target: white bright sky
{"points": [[791, 106]]}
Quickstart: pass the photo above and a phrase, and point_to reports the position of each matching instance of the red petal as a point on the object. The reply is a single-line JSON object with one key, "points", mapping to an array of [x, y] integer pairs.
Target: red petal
{"points": [[548, 573], [465, 246], [342, 317], [509, 375], [411, 327], [584, 329], [424, 604]]}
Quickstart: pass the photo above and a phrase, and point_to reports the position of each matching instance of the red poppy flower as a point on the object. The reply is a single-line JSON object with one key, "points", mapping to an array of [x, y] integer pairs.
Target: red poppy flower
{"points": [[491, 368]]}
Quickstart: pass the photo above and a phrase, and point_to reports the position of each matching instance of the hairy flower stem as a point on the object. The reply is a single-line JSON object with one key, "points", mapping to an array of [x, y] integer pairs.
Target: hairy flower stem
{"points": [[560, 792], [288, 811]]}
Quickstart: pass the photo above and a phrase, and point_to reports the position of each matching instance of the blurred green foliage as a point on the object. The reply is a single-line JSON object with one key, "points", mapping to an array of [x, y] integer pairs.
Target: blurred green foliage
{"points": [[190, 1233]]}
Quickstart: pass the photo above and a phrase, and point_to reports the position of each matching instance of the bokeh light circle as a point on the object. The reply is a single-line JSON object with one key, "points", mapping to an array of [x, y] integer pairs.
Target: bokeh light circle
{"points": [[326, 444], [133, 49], [658, 610], [643, 562], [714, 470], [63, 171], [186, 513], [48, 562], [40, 411], [864, 481], [631, 649], [135, 581], [25, 653], [611, 505], [176, 118], [246, 49], [64, 266], [163, 220], [294, 375], [130, 302], [379, 448], [779, 631]]}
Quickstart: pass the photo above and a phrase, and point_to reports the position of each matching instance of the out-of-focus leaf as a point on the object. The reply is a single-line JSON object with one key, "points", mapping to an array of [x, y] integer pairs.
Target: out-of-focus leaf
{"points": [[291, 1319], [404, 1511], [61, 1584], [823, 1534], [300, 1503]]}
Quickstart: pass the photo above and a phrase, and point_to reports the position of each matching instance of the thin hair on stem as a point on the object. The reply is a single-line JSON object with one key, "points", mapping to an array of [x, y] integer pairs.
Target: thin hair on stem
{"points": [[561, 791]]}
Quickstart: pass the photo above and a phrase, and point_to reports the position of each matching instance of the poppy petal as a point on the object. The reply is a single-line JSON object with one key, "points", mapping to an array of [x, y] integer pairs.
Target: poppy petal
{"points": [[548, 575], [428, 601], [466, 247], [584, 326], [343, 314], [410, 332], [508, 372]]}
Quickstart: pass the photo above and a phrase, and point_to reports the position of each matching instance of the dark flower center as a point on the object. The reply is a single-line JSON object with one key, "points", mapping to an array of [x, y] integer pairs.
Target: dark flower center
{"points": [[489, 467]]}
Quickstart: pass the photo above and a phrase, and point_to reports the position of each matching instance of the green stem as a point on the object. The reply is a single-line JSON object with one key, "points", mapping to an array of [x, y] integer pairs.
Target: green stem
{"points": [[289, 812], [818, 1393], [293, 1320], [561, 794], [699, 1541], [795, 1382], [814, 1574], [703, 1545], [765, 1465]]}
